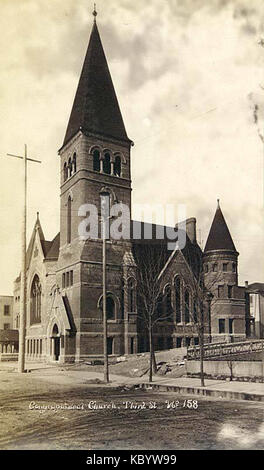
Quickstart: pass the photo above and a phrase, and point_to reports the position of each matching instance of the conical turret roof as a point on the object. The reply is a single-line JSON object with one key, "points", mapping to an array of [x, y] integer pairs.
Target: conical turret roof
{"points": [[95, 107], [219, 237]]}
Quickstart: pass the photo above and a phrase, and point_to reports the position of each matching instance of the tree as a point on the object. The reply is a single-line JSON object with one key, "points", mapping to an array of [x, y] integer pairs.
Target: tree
{"points": [[150, 259], [203, 300]]}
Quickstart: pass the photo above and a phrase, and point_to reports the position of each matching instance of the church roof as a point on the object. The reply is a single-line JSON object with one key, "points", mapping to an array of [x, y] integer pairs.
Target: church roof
{"points": [[219, 237], [95, 107], [54, 246]]}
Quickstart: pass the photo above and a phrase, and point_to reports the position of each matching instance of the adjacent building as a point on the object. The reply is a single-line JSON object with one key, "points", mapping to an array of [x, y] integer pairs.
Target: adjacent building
{"points": [[6, 312], [255, 309]]}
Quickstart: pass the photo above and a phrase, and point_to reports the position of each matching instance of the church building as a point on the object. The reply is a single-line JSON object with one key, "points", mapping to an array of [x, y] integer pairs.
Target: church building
{"points": [[64, 276]]}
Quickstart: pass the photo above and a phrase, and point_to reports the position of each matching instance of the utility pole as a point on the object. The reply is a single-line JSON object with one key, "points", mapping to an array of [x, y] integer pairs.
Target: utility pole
{"points": [[105, 218], [23, 281]]}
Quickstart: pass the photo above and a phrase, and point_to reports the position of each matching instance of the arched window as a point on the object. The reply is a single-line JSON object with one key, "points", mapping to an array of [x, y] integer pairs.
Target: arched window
{"points": [[69, 167], [74, 163], [167, 304], [69, 220], [55, 330], [131, 295], [110, 307], [117, 166], [65, 172], [107, 164], [159, 308], [177, 285], [187, 306], [35, 300], [96, 160], [122, 299]]}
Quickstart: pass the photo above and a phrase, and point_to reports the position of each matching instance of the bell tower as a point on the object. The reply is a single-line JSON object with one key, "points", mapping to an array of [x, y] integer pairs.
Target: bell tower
{"points": [[95, 156]]}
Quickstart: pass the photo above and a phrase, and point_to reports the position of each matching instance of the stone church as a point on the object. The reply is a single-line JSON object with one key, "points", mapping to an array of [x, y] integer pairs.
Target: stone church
{"points": [[64, 276]]}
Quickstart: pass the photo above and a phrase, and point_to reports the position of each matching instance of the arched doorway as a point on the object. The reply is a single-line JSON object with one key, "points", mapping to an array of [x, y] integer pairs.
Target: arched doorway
{"points": [[55, 338]]}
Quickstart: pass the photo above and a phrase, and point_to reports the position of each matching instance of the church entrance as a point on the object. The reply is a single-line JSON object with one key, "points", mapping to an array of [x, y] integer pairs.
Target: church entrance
{"points": [[55, 343]]}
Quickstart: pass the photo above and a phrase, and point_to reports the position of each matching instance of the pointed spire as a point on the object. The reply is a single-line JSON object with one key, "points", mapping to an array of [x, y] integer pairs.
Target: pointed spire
{"points": [[219, 237], [95, 107]]}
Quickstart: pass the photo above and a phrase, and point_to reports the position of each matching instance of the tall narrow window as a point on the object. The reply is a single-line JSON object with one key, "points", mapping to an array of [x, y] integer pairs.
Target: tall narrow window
{"points": [[131, 295], [96, 160], [65, 172], [110, 308], [177, 285], [221, 325], [122, 299], [69, 167], [69, 220], [35, 300], [74, 163], [231, 325], [187, 306], [229, 291], [107, 164], [168, 306], [159, 307], [117, 166]]}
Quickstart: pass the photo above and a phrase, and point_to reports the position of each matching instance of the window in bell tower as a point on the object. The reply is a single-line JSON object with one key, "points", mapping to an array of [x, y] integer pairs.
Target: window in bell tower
{"points": [[69, 220], [96, 160], [107, 164], [117, 166]]}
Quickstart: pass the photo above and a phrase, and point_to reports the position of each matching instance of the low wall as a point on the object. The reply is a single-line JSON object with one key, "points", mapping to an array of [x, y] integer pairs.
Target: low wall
{"points": [[238, 370]]}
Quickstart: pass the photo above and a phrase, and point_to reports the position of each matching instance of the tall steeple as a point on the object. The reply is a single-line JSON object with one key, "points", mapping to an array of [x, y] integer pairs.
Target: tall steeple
{"points": [[219, 237], [95, 107]]}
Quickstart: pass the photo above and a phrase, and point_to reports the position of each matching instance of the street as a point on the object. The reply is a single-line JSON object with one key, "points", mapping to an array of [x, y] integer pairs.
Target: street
{"points": [[38, 414]]}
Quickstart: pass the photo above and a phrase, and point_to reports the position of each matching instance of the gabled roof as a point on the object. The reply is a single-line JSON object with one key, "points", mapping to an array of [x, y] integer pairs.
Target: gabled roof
{"points": [[95, 107], [38, 227], [219, 237], [54, 246], [50, 248]]}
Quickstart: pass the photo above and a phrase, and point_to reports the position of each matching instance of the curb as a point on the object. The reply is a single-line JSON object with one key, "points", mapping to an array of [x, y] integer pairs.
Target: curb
{"points": [[203, 392]]}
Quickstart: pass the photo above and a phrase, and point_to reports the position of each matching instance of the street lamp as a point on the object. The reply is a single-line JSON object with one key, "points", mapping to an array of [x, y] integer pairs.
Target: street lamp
{"points": [[209, 298]]}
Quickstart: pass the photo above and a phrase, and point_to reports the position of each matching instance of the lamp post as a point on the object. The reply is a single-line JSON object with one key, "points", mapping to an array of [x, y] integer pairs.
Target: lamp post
{"points": [[209, 297]]}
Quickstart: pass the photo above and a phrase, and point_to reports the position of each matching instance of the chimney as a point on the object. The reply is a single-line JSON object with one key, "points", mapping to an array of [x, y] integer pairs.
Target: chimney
{"points": [[246, 284], [191, 229]]}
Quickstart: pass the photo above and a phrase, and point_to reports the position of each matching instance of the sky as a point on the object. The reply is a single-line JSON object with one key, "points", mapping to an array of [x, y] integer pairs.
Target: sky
{"points": [[188, 75]]}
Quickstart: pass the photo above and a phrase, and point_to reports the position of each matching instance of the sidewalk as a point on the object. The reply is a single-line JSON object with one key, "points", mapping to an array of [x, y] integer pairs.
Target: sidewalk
{"points": [[213, 388], [183, 385]]}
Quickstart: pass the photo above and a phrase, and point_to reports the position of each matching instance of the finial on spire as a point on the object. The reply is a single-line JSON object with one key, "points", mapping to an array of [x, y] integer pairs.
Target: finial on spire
{"points": [[95, 12], [218, 202]]}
